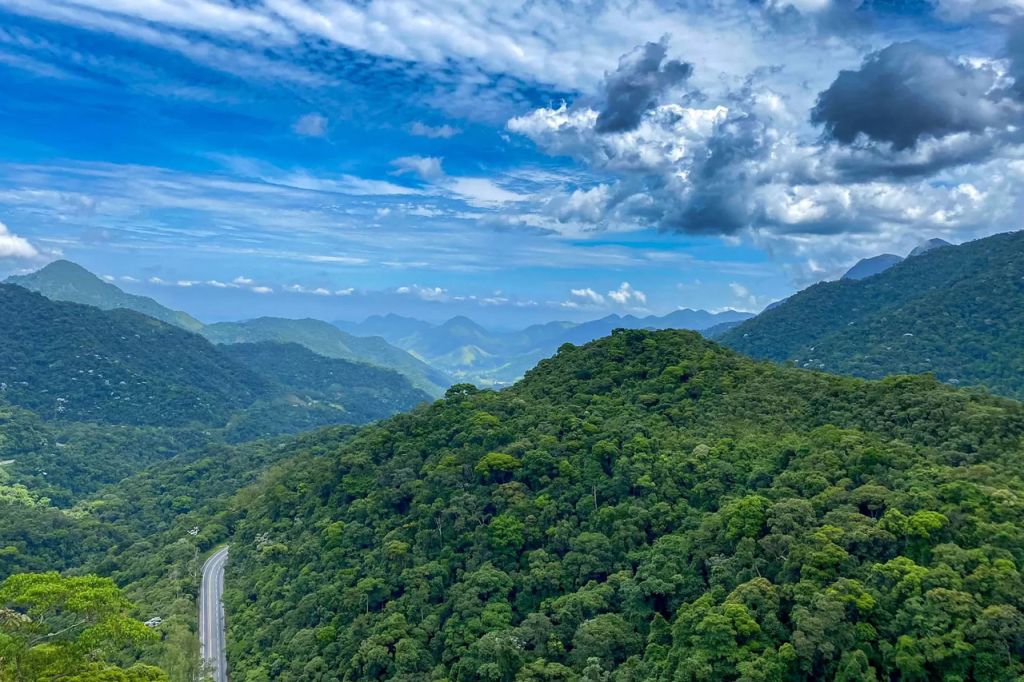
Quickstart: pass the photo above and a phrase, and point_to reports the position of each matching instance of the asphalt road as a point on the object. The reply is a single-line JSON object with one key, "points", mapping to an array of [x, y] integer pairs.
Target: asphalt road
{"points": [[211, 617]]}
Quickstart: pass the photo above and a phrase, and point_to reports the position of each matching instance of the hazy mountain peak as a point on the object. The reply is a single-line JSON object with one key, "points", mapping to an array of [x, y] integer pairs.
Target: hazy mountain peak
{"points": [[926, 246], [868, 267], [63, 280]]}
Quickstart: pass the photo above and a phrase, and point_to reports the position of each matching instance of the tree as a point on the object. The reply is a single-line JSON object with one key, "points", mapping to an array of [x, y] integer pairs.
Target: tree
{"points": [[57, 628]]}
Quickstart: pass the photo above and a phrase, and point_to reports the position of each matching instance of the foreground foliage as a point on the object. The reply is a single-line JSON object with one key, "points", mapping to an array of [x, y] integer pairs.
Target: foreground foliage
{"points": [[647, 507], [54, 628]]}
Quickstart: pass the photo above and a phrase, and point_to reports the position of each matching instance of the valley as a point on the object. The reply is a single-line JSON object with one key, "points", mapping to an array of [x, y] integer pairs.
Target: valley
{"points": [[483, 341], [602, 513]]}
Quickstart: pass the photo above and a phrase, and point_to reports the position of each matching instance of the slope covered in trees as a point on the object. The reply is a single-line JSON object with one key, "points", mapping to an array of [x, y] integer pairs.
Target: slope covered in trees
{"points": [[66, 281], [77, 362], [327, 340], [650, 506], [360, 392], [957, 312]]}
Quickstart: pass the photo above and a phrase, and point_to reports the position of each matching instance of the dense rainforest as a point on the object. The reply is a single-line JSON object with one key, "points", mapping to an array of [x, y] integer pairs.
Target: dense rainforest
{"points": [[329, 341], [650, 506], [76, 363], [956, 311]]}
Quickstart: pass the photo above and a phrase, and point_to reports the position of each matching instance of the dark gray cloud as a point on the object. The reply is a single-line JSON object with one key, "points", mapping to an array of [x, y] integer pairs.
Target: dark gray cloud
{"points": [[635, 87], [904, 93], [1015, 53]]}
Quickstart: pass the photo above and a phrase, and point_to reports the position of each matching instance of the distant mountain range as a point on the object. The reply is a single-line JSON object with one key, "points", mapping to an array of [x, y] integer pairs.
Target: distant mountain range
{"points": [[471, 353], [955, 311]]}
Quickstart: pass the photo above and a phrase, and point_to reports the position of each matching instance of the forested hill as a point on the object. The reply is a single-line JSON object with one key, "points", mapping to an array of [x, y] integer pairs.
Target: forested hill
{"points": [[66, 281], [76, 362], [650, 506], [327, 340], [364, 392], [957, 312]]}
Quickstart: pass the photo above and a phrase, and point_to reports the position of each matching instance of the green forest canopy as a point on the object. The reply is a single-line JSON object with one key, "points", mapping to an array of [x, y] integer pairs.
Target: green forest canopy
{"points": [[648, 507]]}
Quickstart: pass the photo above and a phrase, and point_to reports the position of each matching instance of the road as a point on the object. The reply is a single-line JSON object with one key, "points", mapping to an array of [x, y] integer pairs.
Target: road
{"points": [[211, 616]]}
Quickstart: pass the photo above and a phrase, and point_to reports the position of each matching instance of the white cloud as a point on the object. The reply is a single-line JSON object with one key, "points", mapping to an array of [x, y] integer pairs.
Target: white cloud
{"points": [[425, 293], [318, 291], [426, 167], [13, 246], [627, 295], [588, 295], [443, 131], [262, 290], [243, 281], [311, 125]]}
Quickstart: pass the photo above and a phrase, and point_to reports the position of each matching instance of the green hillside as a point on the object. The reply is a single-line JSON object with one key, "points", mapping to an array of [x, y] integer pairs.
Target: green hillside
{"points": [[650, 506], [362, 392], [327, 340], [957, 312], [76, 362], [66, 281]]}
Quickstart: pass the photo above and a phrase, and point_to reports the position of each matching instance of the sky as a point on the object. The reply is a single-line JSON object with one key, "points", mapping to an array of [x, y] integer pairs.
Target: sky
{"points": [[514, 162]]}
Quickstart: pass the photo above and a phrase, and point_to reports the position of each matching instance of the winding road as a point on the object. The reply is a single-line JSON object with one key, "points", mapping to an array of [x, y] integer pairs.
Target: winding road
{"points": [[211, 617]]}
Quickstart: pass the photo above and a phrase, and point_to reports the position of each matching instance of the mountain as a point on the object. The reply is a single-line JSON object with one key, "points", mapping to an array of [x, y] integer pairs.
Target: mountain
{"points": [[869, 267], [66, 281], [955, 311], [327, 340], [927, 246], [650, 506], [390, 327], [77, 362], [469, 352], [360, 392], [73, 362]]}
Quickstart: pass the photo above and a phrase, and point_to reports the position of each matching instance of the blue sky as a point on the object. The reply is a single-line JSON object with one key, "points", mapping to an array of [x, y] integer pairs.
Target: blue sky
{"points": [[515, 163]]}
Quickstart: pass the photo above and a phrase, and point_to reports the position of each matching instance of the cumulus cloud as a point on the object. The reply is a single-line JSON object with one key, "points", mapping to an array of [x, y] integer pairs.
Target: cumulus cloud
{"points": [[907, 92], [13, 246], [744, 297], [745, 164], [424, 293], [628, 296], [587, 295], [637, 84], [310, 125], [443, 132], [426, 167]]}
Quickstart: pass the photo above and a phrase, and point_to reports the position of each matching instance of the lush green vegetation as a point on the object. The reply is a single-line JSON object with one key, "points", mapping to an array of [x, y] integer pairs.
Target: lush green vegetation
{"points": [[359, 392], [78, 363], [648, 507], [55, 628], [327, 340], [957, 312]]}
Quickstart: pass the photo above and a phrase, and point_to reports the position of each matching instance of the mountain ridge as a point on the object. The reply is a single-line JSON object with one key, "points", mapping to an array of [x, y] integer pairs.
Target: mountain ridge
{"points": [[64, 280], [955, 311]]}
